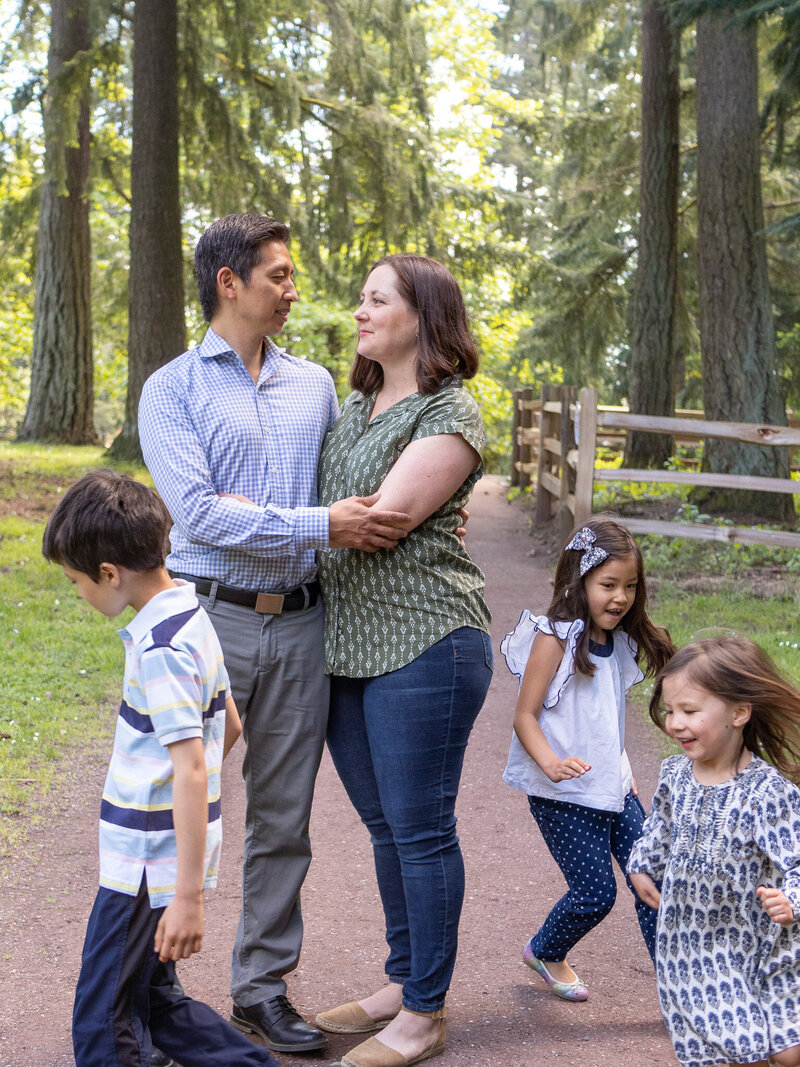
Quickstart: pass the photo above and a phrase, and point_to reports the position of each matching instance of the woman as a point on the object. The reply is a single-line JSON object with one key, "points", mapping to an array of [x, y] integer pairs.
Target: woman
{"points": [[407, 641]]}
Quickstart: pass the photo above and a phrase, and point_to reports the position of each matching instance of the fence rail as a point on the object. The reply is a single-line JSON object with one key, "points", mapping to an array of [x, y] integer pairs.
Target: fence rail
{"points": [[567, 439]]}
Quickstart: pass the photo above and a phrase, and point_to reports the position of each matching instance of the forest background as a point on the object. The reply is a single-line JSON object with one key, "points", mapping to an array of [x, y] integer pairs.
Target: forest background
{"points": [[614, 184]]}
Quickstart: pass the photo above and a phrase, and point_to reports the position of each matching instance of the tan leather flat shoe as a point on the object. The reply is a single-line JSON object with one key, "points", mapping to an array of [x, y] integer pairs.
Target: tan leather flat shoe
{"points": [[348, 1018], [373, 1052]]}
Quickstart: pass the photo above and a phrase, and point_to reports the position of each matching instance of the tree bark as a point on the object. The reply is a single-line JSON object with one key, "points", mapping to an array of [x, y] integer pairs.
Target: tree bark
{"points": [[651, 376], [737, 333], [156, 326], [61, 401]]}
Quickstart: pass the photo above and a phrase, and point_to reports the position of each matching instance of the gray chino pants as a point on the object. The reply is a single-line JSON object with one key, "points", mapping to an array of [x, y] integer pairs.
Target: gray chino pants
{"points": [[276, 665]]}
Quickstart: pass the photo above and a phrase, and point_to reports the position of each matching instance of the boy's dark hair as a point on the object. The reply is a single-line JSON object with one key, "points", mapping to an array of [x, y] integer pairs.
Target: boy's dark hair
{"points": [[570, 601], [234, 241], [107, 517], [445, 343]]}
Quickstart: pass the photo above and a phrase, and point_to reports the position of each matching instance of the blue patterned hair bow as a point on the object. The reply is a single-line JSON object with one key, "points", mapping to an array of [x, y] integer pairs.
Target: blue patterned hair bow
{"points": [[584, 541]]}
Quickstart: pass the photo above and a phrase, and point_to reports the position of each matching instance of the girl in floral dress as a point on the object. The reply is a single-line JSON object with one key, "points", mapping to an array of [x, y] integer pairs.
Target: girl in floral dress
{"points": [[724, 835]]}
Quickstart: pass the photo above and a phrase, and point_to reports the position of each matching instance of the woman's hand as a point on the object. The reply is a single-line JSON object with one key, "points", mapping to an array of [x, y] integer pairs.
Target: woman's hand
{"points": [[646, 889], [571, 767], [776, 904]]}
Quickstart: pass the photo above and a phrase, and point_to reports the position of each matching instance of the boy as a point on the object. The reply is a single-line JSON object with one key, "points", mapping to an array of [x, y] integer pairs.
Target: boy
{"points": [[160, 826]]}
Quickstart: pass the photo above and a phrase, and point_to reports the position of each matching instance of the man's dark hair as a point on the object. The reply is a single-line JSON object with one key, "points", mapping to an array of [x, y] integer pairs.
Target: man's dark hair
{"points": [[234, 241], [107, 517]]}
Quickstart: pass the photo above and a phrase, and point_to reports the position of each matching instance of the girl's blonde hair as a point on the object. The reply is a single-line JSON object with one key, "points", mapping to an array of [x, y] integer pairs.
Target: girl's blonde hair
{"points": [[737, 671], [570, 602]]}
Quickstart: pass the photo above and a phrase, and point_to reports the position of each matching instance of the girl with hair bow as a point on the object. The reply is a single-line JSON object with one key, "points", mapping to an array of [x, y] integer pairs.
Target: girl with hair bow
{"points": [[576, 664]]}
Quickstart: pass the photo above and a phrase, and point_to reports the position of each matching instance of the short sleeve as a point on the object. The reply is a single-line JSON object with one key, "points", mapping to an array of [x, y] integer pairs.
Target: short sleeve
{"points": [[452, 410], [776, 829], [516, 647], [650, 852], [173, 691]]}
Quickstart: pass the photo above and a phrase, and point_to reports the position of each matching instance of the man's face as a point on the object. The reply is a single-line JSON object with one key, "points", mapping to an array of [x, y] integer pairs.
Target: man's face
{"points": [[268, 297]]}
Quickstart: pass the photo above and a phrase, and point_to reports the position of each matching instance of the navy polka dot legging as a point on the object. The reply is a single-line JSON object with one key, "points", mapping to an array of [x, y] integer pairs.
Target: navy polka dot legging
{"points": [[582, 841]]}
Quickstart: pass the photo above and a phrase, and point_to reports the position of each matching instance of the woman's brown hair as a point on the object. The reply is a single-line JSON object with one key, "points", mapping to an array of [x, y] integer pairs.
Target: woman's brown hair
{"points": [[738, 671], [445, 344], [570, 601]]}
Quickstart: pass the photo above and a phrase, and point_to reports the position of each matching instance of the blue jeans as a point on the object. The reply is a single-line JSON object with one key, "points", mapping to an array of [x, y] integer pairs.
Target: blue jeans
{"points": [[398, 743], [582, 841], [126, 1000]]}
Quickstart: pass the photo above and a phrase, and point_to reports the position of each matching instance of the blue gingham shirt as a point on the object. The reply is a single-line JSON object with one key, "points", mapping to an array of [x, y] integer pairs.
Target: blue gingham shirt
{"points": [[206, 428]]}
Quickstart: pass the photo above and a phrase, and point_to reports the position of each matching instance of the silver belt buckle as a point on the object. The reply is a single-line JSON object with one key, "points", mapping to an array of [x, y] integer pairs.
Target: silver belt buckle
{"points": [[269, 603]]}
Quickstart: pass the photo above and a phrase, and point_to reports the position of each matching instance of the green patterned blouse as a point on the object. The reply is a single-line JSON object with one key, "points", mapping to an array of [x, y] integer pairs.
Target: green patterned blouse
{"points": [[384, 609]]}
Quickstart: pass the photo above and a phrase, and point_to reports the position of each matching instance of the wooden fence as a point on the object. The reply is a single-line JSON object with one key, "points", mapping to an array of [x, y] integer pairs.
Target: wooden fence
{"points": [[566, 471]]}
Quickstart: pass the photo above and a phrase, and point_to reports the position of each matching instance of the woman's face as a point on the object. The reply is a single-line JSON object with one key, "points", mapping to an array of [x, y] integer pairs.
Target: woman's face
{"points": [[387, 327]]}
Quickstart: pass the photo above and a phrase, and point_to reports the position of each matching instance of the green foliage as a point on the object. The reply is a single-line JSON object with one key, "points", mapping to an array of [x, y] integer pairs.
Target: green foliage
{"points": [[513, 159], [692, 610], [67, 659], [323, 331], [669, 555]]}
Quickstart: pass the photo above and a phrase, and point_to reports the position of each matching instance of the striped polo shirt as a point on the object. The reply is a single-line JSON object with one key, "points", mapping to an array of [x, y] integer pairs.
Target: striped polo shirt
{"points": [[175, 688]]}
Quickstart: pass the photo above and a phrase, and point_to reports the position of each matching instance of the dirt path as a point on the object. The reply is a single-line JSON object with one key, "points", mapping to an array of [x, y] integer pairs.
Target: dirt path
{"points": [[500, 1014]]}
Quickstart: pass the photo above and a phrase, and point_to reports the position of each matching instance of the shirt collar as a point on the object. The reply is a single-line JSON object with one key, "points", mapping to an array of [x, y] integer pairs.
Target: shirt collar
{"points": [[160, 607], [213, 345], [398, 408], [363, 398]]}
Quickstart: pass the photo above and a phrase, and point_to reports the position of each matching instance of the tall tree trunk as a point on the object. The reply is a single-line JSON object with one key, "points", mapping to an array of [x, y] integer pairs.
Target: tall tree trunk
{"points": [[61, 402], [651, 376], [740, 382], [156, 326]]}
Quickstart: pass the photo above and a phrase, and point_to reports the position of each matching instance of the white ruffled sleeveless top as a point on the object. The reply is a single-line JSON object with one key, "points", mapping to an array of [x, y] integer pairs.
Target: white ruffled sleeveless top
{"points": [[581, 716]]}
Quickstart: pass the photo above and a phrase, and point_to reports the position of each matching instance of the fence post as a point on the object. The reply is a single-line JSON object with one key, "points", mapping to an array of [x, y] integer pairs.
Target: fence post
{"points": [[566, 437], [516, 478], [587, 440], [543, 499], [522, 448]]}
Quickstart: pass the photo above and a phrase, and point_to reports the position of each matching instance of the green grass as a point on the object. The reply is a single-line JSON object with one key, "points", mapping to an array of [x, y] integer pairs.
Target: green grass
{"points": [[689, 615], [63, 660]]}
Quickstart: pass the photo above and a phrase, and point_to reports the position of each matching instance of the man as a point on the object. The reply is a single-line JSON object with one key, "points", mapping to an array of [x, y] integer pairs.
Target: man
{"points": [[231, 433]]}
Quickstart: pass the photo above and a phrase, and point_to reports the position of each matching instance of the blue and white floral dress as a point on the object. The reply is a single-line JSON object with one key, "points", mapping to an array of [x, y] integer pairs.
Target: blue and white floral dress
{"points": [[728, 977]]}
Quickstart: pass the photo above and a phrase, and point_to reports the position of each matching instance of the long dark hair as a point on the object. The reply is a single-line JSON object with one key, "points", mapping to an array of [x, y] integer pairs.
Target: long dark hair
{"points": [[445, 344], [737, 671], [570, 601]]}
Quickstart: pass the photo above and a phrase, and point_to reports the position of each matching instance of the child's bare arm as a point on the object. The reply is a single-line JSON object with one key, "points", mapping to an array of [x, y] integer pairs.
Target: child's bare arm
{"points": [[233, 726], [180, 929], [540, 670], [776, 904]]}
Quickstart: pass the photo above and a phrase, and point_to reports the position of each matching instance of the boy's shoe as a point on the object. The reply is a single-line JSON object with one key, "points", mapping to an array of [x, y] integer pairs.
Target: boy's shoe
{"points": [[160, 1059], [566, 990]]}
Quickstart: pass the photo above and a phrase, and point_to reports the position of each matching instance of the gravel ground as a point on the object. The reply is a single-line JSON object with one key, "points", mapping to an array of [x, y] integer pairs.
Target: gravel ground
{"points": [[499, 1012]]}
